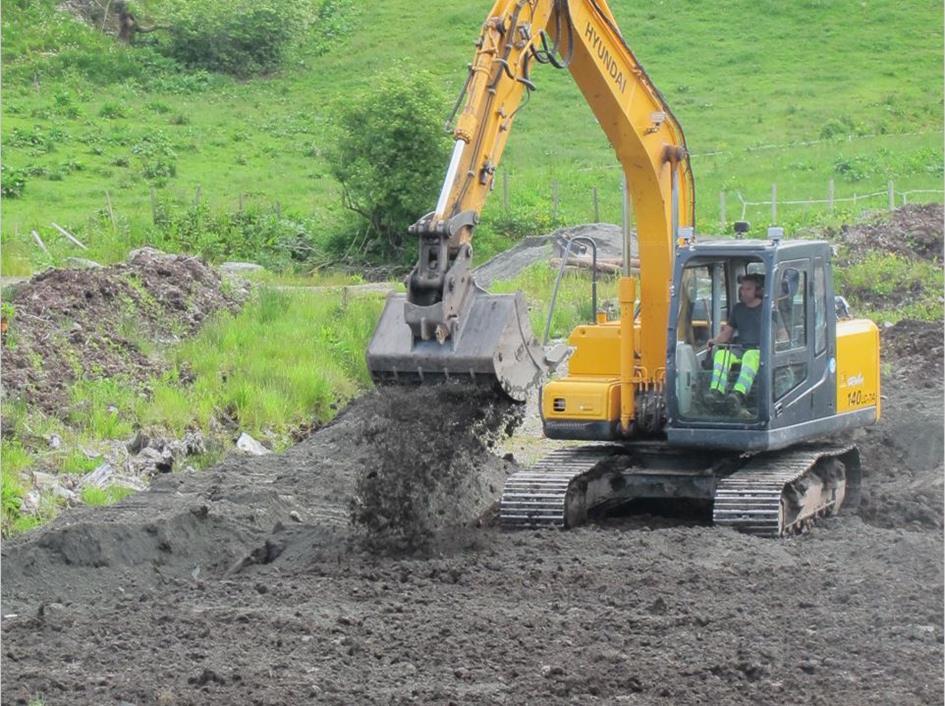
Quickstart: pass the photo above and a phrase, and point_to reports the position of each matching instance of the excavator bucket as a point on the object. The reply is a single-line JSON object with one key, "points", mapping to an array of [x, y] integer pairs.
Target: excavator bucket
{"points": [[491, 343]]}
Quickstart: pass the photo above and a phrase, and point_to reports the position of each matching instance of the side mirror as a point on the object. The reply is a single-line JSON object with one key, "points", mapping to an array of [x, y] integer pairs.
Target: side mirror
{"points": [[741, 227], [843, 309], [790, 280]]}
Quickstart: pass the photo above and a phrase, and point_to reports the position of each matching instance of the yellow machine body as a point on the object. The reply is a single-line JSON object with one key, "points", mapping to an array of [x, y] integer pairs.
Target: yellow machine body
{"points": [[858, 366]]}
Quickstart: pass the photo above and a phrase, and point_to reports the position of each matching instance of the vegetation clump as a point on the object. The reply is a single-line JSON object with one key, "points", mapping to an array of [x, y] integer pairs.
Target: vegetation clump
{"points": [[389, 159]]}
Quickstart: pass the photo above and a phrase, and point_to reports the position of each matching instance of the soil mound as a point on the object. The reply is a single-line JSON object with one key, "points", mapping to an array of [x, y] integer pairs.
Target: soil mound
{"points": [[92, 322], [914, 231], [904, 455], [247, 583], [400, 462]]}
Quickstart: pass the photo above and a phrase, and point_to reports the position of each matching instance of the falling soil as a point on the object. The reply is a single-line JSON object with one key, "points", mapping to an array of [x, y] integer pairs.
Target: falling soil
{"points": [[91, 323], [249, 584], [428, 461]]}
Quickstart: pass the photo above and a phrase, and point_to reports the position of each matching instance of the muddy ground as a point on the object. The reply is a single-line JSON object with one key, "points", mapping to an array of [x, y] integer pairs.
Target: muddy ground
{"points": [[248, 583]]}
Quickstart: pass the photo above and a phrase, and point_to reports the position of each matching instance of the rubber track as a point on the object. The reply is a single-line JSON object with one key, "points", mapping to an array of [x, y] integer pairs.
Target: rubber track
{"points": [[749, 500], [536, 497]]}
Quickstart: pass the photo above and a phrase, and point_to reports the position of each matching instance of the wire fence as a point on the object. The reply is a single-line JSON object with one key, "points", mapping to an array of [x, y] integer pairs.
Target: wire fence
{"points": [[604, 202], [894, 199]]}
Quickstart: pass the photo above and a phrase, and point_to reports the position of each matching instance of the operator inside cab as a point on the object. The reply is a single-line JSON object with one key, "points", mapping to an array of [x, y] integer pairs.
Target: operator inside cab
{"points": [[739, 341]]}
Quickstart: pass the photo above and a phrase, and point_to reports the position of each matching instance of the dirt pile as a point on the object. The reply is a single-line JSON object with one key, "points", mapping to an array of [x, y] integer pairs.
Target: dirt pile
{"points": [[405, 461], [904, 472], [913, 231], [248, 583], [69, 324]]}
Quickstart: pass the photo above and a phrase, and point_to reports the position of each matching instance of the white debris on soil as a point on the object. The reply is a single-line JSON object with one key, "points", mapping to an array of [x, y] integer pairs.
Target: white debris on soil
{"points": [[249, 445]]}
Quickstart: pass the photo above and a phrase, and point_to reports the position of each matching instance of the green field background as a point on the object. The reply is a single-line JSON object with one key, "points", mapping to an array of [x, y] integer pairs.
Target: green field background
{"points": [[795, 94]]}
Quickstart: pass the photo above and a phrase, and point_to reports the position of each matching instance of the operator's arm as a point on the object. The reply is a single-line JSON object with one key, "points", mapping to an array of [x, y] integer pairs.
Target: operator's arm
{"points": [[725, 335]]}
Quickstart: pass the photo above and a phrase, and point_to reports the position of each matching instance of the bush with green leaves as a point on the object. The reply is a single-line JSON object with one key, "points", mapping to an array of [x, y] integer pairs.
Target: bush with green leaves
{"points": [[242, 38], [12, 182], [269, 238], [390, 157], [156, 156]]}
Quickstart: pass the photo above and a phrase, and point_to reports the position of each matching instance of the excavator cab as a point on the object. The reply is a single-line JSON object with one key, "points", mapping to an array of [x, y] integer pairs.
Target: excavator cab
{"points": [[793, 394]]}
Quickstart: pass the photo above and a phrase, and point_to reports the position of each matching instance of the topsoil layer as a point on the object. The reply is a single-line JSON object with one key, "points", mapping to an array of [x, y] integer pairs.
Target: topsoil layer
{"points": [[249, 584]]}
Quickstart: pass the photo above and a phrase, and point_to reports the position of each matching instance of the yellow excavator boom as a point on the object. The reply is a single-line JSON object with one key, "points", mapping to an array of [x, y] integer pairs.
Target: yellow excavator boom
{"points": [[582, 36]]}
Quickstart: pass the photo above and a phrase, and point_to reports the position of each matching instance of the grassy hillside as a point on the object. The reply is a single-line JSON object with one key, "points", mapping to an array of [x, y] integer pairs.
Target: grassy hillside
{"points": [[795, 94]]}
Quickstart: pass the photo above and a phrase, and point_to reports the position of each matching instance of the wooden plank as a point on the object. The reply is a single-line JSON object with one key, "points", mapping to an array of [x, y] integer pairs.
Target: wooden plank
{"points": [[68, 235]]}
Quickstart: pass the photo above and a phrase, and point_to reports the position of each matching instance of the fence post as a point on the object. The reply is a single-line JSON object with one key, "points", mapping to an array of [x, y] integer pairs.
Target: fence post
{"points": [[241, 202], [154, 217], [554, 201], [723, 216], [892, 195], [197, 196], [774, 204], [830, 194], [39, 242], [596, 205], [505, 191], [905, 198], [111, 213], [278, 210]]}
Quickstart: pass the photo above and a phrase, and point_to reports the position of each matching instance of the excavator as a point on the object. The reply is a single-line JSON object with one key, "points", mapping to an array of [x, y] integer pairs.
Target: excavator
{"points": [[645, 389]]}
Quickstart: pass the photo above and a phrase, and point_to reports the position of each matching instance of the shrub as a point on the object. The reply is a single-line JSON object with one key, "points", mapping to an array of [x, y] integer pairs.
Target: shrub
{"points": [[158, 160], [110, 111], [241, 38], [12, 182], [390, 157]]}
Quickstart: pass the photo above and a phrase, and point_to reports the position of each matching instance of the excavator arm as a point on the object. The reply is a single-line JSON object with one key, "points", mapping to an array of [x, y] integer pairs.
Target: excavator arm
{"points": [[582, 36]]}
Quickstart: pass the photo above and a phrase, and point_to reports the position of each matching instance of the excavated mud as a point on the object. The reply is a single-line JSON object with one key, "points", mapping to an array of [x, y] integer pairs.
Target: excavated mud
{"points": [[429, 461], [249, 583], [913, 231]]}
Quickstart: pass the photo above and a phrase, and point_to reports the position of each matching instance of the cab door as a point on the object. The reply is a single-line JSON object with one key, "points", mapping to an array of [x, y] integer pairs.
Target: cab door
{"points": [[792, 369], [824, 353]]}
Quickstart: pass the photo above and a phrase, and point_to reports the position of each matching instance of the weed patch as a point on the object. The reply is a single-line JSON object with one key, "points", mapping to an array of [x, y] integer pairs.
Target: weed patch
{"points": [[104, 496]]}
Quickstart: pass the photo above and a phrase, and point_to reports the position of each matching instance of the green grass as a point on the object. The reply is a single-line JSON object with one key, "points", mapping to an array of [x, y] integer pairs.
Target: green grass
{"points": [[14, 459], [77, 462], [794, 94], [286, 359], [573, 305], [311, 279], [104, 496], [887, 287]]}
